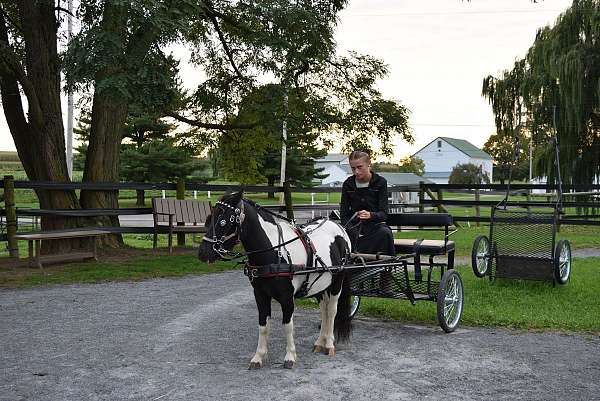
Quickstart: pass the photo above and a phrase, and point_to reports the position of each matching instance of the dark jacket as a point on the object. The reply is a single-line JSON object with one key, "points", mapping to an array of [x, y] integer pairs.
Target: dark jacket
{"points": [[373, 198]]}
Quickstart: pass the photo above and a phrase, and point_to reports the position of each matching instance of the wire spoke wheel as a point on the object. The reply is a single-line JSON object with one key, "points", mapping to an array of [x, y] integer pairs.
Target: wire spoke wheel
{"points": [[480, 256], [562, 262], [450, 300], [354, 305]]}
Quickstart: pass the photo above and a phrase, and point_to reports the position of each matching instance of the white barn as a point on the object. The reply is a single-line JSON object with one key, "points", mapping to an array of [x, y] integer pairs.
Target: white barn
{"points": [[442, 154]]}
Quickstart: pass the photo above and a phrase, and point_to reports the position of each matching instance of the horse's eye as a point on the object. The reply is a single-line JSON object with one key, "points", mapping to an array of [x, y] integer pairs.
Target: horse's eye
{"points": [[223, 222]]}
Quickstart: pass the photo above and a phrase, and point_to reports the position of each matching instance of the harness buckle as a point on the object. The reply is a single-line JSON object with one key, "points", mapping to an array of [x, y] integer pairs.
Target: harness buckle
{"points": [[250, 273]]}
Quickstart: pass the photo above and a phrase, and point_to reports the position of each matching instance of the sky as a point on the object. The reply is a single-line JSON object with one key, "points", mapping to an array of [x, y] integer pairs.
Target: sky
{"points": [[437, 51]]}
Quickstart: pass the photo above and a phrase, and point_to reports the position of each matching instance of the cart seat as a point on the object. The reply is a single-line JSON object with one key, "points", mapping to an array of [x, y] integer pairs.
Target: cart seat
{"points": [[427, 247]]}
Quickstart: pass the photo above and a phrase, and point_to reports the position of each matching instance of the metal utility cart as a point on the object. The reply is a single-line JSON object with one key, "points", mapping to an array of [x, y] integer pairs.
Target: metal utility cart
{"points": [[522, 243]]}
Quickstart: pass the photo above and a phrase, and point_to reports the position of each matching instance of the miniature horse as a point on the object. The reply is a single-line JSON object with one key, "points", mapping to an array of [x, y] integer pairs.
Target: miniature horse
{"points": [[276, 249]]}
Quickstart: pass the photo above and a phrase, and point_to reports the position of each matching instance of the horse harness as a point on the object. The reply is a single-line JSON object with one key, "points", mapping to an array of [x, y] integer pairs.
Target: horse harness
{"points": [[284, 267]]}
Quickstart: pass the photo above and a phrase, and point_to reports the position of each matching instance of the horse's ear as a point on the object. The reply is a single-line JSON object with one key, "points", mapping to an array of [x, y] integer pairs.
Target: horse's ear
{"points": [[236, 197]]}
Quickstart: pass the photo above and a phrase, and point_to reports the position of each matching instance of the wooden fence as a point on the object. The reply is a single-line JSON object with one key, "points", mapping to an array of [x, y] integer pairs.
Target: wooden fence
{"points": [[429, 195]]}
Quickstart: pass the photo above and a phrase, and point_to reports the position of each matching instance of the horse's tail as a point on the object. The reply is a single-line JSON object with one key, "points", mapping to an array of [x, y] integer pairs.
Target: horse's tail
{"points": [[342, 326]]}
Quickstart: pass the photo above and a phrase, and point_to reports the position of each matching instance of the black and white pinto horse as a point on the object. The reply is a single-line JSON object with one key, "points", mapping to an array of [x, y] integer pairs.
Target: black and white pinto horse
{"points": [[275, 250]]}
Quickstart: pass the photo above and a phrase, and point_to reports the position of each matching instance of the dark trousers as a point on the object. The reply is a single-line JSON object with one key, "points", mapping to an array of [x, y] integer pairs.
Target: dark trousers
{"points": [[372, 238]]}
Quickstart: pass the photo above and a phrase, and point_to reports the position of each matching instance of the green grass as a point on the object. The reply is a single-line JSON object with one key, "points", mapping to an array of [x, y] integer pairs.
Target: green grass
{"points": [[512, 303], [135, 268], [579, 236]]}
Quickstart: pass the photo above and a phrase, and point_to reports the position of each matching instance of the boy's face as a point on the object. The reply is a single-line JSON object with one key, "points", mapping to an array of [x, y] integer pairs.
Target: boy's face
{"points": [[360, 169]]}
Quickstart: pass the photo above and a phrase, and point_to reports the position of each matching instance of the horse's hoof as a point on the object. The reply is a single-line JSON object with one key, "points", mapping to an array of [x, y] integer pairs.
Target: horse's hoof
{"points": [[317, 349], [330, 351], [288, 364], [254, 365]]}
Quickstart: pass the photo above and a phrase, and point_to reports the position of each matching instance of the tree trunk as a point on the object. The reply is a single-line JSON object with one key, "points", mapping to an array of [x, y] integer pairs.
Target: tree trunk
{"points": [[109, 111], [39, 139], [140, 201]]}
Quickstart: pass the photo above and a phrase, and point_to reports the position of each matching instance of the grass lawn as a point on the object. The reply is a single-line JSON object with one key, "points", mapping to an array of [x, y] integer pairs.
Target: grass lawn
{"points": [[512, 303]]}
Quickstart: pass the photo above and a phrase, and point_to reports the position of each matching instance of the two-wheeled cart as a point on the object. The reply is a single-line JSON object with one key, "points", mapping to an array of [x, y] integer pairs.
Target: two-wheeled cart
{"points": [[522, 243], [382, 276]]}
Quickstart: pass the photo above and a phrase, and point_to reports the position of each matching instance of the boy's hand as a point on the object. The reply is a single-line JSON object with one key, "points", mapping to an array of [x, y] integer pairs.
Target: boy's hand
{"points": [[364, 215]]}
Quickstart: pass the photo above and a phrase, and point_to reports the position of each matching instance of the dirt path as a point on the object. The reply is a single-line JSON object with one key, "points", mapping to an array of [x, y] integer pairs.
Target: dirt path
{"points": [[192, 338]]}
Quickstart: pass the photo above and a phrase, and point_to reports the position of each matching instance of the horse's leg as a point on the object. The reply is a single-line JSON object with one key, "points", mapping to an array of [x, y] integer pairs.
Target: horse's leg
{"points": [[320, 343], [331, 308], [287, 308], [263, 302]]}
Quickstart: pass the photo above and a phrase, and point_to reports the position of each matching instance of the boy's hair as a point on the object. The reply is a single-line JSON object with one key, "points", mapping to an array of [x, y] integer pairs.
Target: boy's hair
{"points": [[359, 154]]}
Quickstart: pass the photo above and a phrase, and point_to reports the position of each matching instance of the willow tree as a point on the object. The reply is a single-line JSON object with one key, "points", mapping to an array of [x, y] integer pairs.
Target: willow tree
{"points": [[557, 83]]}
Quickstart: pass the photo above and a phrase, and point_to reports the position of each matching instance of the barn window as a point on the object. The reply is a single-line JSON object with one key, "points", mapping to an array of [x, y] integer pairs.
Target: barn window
{"points": [[439, 144]]}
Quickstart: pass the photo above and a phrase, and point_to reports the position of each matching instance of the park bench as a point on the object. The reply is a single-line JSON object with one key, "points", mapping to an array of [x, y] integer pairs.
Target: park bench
{"points": [[178, 216], [440, 222], [35, 240]]}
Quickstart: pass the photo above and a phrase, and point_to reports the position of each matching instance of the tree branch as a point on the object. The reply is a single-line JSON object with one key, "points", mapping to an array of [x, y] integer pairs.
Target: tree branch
{"points": [[11, 61], [225, 45], [201, 124]]}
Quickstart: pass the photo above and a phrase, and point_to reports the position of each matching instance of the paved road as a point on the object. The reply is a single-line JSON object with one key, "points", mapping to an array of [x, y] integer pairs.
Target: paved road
{"points": [[191, 339]]}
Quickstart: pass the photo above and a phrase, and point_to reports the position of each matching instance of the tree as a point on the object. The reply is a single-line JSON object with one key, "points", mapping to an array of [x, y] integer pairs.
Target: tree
{"points": [[503, 148], [407, 165], [254, 155], [155, 161], [557, 81], [468, 173], [118, 56]]}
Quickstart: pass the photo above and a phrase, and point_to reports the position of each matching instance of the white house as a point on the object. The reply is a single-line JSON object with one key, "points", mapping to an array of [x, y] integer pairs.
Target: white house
{"points": [[442, 154], [333, 159]]}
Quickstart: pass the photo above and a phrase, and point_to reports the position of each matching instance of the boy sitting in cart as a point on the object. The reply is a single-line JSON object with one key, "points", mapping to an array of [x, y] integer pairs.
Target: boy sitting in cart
{"points": [[364, 207]]}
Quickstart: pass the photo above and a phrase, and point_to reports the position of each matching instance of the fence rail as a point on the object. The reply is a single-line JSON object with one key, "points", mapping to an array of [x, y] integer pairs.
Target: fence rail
{"points": [[429, 195]]}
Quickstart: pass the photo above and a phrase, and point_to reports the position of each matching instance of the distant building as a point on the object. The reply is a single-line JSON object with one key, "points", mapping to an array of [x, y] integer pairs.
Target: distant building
{"points": [[442, 154]]}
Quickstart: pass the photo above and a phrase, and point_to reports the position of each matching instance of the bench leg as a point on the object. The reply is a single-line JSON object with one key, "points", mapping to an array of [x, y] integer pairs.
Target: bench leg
{"points": [[170, 243], [31, 255], [95, 248], [38, 262], [155, 240]]}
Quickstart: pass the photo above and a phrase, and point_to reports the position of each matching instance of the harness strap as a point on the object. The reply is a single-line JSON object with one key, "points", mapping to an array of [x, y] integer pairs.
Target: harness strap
{"points": [[272, 270]]}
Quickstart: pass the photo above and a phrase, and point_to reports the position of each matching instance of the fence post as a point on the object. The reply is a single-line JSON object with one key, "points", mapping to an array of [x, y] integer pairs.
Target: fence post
{"points": [[287, 197], [477, 208], [11, 216], [180, 195], [440, 198]]}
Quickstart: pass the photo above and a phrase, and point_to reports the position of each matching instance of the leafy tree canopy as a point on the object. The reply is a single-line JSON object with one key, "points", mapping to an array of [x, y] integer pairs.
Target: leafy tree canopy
{"points": [[468, 173], [557, 83], [407, 165], [508, 154]]}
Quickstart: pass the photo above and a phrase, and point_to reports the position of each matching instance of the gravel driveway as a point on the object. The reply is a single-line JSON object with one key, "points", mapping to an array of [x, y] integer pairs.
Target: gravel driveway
{"points": [[192, 338]]}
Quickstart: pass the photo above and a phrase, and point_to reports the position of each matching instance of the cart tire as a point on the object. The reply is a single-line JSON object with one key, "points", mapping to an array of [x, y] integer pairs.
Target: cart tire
{"points": [[450, 301], [562, 261], [480, 256], [354, 305]]}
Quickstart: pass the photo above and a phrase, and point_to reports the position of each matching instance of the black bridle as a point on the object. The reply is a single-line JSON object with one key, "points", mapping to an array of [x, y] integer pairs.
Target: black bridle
{"points": [[236, 220]]}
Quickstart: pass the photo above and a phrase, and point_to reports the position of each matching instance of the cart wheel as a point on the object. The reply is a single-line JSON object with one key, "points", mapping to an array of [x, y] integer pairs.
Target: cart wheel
{"points": [[354, 305], [450, 299], [562, 261], [480, 254]]}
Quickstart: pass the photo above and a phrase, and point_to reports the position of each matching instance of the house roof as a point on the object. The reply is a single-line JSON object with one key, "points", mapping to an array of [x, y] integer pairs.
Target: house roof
{"points": [[332, 157], [437, 174], [403, 178], [464, 146]]}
